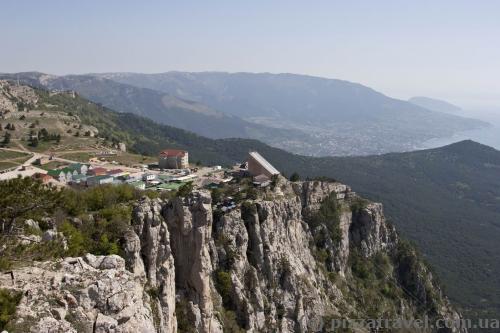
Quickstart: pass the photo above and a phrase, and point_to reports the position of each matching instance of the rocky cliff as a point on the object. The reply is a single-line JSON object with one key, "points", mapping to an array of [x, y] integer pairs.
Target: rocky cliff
{"points": [[303, 254]]}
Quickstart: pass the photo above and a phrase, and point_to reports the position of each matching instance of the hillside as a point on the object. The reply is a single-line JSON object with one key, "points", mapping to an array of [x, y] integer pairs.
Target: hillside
{"points": [[445, 199], [302, 114], [159, 106], [344, 118], [435, 105]]}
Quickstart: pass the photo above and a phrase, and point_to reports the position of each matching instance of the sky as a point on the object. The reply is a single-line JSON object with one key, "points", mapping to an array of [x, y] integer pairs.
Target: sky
{"points": [[443, 49]]}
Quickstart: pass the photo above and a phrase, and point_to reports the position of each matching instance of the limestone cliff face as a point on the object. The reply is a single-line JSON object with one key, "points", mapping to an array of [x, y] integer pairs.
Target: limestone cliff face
{"points": [[262, 267]]}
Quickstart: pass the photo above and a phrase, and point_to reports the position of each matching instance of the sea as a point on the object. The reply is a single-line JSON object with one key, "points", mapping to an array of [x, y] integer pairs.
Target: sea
{"points": [[489, 136]]}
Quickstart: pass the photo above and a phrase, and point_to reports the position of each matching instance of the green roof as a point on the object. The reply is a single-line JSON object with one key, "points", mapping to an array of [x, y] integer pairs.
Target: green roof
{"points": [[170, 186], [75, 166], [97, 178], [66, 170], [165, 177], [53, 172]]}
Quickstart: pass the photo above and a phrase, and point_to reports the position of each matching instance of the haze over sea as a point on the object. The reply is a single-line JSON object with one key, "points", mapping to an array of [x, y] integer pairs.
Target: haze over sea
{"points": [[489, 136]]}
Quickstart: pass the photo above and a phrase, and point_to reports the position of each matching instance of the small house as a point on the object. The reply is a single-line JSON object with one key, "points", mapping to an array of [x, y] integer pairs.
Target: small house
{"points": [[79, 179], [148, 177], [98, 171], [138, 185], [99, 180], [80, 168], [116, 173], [44, 178], [60, 175]]}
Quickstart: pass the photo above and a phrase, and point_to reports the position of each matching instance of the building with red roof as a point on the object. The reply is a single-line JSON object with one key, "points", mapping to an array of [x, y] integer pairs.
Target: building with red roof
{"points": [[98, 171], [173, 159], [44, 178]]}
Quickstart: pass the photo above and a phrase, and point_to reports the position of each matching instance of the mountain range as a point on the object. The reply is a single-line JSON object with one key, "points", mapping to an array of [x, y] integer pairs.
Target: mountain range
{"points": [[446, 200], [436, 105], [302, 114]]}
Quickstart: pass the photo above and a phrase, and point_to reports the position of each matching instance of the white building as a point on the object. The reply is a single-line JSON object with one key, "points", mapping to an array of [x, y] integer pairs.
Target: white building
{"points": [[258, 165], [148, 177]]}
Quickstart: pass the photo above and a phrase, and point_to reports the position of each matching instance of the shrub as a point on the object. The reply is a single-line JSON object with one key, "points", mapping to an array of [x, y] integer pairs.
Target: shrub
{"points": [[217, 195], [8, 304], [295, 177], [185, 190], [230, 322], [329, 215], [77, 244], [106, 247], [361, 267], [248, 209], [274, 181], [252, 193], [5, 264], [224, 286], [358, 204], [184, 325]]}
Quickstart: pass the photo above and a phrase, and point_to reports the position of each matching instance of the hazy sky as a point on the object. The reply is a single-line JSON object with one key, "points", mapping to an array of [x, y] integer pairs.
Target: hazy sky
{"points": [[445, 49]]}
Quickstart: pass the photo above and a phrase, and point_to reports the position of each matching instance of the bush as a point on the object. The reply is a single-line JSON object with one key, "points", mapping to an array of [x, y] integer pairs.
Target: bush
{"points": [[361, 267], [329, 215], [224, 286], [184, 325], [230, 322], [358, 204], [77, 242], [248, 210], [185, 190], [5, 264], [8, 304], [6, 139], [252, 193], [274, 181], [295, 177], [217, 195]]}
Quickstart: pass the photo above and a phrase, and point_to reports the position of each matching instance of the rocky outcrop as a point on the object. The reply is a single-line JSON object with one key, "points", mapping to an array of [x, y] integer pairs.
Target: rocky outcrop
{"points": [[88, 294], [149, 254], [262, 267]]}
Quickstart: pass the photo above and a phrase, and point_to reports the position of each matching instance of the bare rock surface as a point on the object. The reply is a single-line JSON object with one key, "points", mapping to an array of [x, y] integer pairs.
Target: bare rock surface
{"points": [[258, 268]]}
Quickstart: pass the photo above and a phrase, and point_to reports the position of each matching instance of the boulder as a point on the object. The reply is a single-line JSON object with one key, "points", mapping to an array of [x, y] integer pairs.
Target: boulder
{"points": [[105, 324], [32, 224]]}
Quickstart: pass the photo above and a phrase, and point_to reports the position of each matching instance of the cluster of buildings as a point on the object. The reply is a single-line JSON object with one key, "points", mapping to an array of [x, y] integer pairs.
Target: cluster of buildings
{"points": [[172, 172], [90, 175], [82, 174], [87, 175]]}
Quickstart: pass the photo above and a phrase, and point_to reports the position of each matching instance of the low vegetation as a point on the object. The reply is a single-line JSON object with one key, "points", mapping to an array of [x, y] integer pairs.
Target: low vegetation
{"points": [[328, 215], [449, 193], [8, 303], [92, 220]]}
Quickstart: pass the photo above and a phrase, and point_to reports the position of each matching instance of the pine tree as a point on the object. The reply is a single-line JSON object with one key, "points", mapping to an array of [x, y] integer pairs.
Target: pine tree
{"points": [[6, 139], [34, 142], [295, 177]]}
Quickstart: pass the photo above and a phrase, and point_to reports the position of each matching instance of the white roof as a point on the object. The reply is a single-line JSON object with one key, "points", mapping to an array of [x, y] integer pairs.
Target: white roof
{"points": [[258, 157]]}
